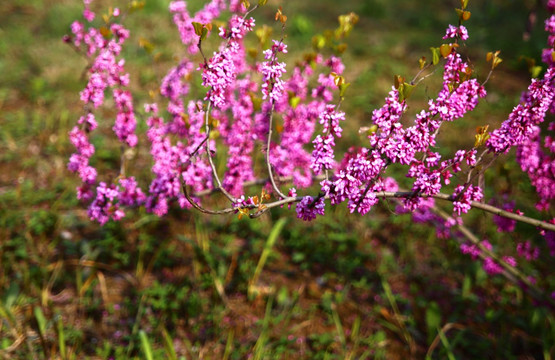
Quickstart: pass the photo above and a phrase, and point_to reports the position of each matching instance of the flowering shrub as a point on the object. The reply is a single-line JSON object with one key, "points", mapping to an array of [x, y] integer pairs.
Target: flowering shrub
{"points": [[235, 116]]}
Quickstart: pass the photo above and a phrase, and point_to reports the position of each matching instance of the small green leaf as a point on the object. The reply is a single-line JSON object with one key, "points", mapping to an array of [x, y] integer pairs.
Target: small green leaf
{"points": [[318, 42], [407, 90], [136, 5], [422, 62], [198, 28], [535, 71], [294, 101], [204, 33], [262, 2], [435, 55], [342, 88], [214, 134]]}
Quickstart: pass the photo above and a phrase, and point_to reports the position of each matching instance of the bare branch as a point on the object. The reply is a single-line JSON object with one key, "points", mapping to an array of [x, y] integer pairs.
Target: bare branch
{"points": [[489, 208], [270, 172], [399, 194], [214, 172], [511, 273], [203, 210]]}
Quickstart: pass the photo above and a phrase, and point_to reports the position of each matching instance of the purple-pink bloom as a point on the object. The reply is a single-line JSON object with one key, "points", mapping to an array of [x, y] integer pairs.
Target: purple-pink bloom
{"points": [[272, 72], [456, 31], [491, 267], [308, 208], [464, 199]]}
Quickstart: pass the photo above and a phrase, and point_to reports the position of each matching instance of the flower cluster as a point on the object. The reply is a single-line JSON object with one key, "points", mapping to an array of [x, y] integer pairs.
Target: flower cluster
{"points": [[323, 154], [534, 154], [240, 140], [184, 21], [272, 72], [300, 111], [464, 197], [104, 207], [525, 116], [308, 208], [220, 71], [174, 87], [79, 161], [125, 119], [106, 71], [531, 111], [357, 180], [527, 250], [505, 224], [490, 266], [279, 115], [456, 31]]}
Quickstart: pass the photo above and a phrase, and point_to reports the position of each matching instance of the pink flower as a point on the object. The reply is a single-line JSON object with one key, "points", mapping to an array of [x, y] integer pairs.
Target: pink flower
{"points": [[272, 71], [308, 208], [453, 32]]}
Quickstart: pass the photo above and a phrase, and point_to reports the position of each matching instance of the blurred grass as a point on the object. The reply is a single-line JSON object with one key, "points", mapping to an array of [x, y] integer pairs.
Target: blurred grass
{"points": [[378, 287]]}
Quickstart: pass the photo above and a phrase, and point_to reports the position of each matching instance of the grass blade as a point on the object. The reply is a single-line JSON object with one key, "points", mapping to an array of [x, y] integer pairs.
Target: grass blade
{"points": [[168, 345], [265, 253], [145, 344]]}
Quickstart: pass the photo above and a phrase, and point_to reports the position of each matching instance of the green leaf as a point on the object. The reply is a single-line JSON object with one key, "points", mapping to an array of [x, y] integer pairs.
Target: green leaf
{"points": [[435, 55], [406, 90], [422, 62], [294, 101], [262, 2], [342, 89], [535, 71], [318, 42], [198, 28]]}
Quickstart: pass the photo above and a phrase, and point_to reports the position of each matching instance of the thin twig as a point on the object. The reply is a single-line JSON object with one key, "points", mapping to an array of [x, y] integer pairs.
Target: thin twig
{"points": [[420, 72], [475, 204], [268, 164], [511, 273], [203, 210], [398, 194], [274, 204], [214, 172], [271, 115], [198, 147]]}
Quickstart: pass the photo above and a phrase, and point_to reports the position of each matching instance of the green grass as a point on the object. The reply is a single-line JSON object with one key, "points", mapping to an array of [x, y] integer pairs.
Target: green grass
{"points": [[187, 286]]}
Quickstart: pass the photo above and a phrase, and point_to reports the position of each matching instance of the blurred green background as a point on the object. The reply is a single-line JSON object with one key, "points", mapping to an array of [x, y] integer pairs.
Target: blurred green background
{"points": [[189, 286]]}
